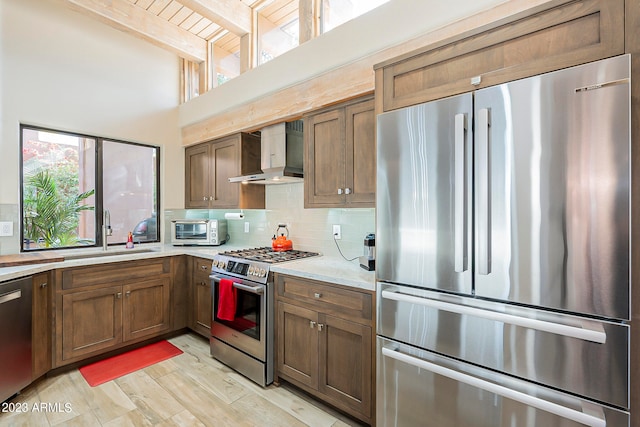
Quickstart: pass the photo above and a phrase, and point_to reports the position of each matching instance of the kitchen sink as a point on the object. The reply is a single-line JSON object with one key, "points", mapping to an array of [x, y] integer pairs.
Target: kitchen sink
{"points": [[109, 253]]}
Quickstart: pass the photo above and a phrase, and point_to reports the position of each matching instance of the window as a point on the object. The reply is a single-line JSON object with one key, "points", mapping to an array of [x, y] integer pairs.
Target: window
{"points": [[276, 38], [226, 54], [337, 12], [68, 180]]}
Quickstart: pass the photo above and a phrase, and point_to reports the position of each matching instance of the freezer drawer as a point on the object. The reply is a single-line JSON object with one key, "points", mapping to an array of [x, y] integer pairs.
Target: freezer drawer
{"points": [[583, 356], [420, 388]]}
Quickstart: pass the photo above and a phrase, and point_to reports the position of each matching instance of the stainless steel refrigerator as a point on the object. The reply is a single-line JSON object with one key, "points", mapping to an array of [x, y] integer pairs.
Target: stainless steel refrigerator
{"points": [[503, 254]]}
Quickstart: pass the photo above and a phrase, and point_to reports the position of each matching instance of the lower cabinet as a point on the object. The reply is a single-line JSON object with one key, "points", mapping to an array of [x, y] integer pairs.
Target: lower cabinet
{"points": [[200, 295], [324, 342], [121, 309]]}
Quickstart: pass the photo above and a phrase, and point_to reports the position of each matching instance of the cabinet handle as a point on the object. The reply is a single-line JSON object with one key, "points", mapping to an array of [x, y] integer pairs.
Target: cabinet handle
{"points": [[347, 190], [317, 295], [203, 267], [202, 284], [339, 190], [211, 198], [128, 293], [204, 198], [312, 324], [119, 295], [43, 285], [320, 326]]}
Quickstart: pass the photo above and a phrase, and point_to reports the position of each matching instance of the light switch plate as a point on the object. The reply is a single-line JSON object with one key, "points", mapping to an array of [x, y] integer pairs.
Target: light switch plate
{"points": [[6, 228]]}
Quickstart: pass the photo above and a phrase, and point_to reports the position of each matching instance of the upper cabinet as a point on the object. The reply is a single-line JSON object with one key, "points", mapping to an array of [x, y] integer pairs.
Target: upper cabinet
{"points": [[545, 38], [208, 167], [340, 156]]}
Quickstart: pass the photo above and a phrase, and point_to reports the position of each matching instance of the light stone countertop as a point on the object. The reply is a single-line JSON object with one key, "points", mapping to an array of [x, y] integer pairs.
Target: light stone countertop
{"points": [[327, 269], [330, 269]]}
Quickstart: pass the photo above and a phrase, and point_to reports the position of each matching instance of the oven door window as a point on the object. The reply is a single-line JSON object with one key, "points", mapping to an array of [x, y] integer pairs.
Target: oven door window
{"points": [[248, 309], [195, 231]]}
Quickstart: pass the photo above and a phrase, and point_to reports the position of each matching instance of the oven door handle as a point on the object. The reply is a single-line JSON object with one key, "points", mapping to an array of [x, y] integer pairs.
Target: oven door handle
{"points": [[259, 290]]}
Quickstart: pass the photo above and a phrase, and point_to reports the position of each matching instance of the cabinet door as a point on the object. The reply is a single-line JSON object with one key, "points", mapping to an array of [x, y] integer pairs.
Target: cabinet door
{"points": [[345, 370], [201, 304], [197, 173], [325, 159], [91, 321], [361, 154], [200, 314], [41, 325], [146, 308], [225, 156], [298, 344]]}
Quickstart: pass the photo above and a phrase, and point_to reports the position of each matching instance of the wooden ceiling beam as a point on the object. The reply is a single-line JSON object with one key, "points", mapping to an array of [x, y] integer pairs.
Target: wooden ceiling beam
{"points": [[128, 17], [230, 14]]}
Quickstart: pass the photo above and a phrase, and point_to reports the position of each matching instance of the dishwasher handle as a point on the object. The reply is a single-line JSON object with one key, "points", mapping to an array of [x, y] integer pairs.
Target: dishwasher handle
{"points": [[10, 296], [536, 402]]}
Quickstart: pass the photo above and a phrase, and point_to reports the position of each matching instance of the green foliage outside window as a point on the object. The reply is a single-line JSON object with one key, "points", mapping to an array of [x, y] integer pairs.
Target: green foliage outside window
{"points": [[51, 208]]}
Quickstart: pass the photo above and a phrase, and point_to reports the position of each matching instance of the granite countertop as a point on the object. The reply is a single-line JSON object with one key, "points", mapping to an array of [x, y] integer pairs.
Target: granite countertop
{"points": [[328, 269]]}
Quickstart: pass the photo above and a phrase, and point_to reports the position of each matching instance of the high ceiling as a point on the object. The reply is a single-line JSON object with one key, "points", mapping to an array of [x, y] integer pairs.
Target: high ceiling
{"points": [[186, 26]]}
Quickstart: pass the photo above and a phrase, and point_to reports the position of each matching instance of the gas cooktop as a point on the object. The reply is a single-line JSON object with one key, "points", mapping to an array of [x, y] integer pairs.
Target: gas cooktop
{"points": [[253, 264], [268, 255]]}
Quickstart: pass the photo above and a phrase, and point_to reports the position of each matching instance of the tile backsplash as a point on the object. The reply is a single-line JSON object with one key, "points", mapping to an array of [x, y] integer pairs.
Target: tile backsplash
{"points": [[309, 229]]}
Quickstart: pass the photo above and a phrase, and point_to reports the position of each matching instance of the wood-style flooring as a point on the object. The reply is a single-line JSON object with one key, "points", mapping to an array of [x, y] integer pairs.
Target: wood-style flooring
{"points": [[191, 389]]}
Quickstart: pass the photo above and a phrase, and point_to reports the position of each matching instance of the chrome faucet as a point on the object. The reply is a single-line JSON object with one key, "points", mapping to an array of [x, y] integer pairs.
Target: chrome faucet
{"points": [[106, 228]]}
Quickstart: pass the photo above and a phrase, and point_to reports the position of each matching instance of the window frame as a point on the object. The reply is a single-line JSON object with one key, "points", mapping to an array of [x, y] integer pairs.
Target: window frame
{"points": [[99, 192]]}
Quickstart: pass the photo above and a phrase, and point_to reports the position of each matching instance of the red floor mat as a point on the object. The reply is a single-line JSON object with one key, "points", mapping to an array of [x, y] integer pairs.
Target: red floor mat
{"points": [[114, 367]]}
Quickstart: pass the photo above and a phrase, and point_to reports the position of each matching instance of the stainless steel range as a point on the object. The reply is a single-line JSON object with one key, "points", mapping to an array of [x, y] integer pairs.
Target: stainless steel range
{"points": [[244, 339]]}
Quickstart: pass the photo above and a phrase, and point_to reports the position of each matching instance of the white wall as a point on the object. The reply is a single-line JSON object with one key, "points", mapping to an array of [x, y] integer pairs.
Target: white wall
{"points": [[62, 70], [385, 26]]}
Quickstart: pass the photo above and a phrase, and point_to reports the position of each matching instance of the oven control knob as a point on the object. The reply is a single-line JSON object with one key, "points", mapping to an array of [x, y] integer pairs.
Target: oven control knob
{"points": [[215, 263], [252, 270], [221, 265], [263, 272]]}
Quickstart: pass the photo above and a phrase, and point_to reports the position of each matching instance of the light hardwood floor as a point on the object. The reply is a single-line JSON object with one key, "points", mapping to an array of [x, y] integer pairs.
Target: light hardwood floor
{"points": [[191, 389]]}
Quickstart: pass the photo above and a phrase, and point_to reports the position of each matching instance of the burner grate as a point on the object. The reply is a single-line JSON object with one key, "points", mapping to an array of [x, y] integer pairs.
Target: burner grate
{"points": [[267, 255]]}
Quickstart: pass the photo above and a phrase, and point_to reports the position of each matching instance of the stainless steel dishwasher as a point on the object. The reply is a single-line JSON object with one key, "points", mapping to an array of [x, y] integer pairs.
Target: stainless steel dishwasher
{"points": [[15, 336]]}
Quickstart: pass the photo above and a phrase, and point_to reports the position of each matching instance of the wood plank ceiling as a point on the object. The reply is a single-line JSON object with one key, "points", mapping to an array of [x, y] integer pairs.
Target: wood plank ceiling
{"points": [[187, 26]]}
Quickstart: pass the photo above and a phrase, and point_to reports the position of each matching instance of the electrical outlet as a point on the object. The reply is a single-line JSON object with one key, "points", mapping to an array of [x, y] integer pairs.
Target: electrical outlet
{"points": [[337, 232], [6, 228], [246, 227]]}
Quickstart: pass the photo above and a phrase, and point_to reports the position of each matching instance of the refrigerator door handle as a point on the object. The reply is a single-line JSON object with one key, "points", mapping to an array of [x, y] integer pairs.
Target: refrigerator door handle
{"points": [[554, 408], [484, 193], [597, 336], [460, 194]]}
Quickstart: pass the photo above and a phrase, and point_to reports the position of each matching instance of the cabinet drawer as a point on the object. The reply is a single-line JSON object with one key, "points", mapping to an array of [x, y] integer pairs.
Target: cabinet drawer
{"points": [[345, 303], [114, 272], [202, 267]]}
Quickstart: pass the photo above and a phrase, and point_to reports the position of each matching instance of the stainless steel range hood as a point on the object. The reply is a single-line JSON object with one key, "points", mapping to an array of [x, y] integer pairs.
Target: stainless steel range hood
{"points": [[281, 155]]}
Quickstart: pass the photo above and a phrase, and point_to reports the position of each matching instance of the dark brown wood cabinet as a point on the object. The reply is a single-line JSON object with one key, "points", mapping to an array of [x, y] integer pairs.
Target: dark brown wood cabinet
{"points": [[324, 342], [208, 167], [548, 37], [339, 159], [104, 307], [41, 325], [200, 313]]}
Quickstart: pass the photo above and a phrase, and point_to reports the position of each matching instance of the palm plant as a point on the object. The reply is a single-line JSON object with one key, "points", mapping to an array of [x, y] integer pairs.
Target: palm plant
{"points": [[49, 215]]}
